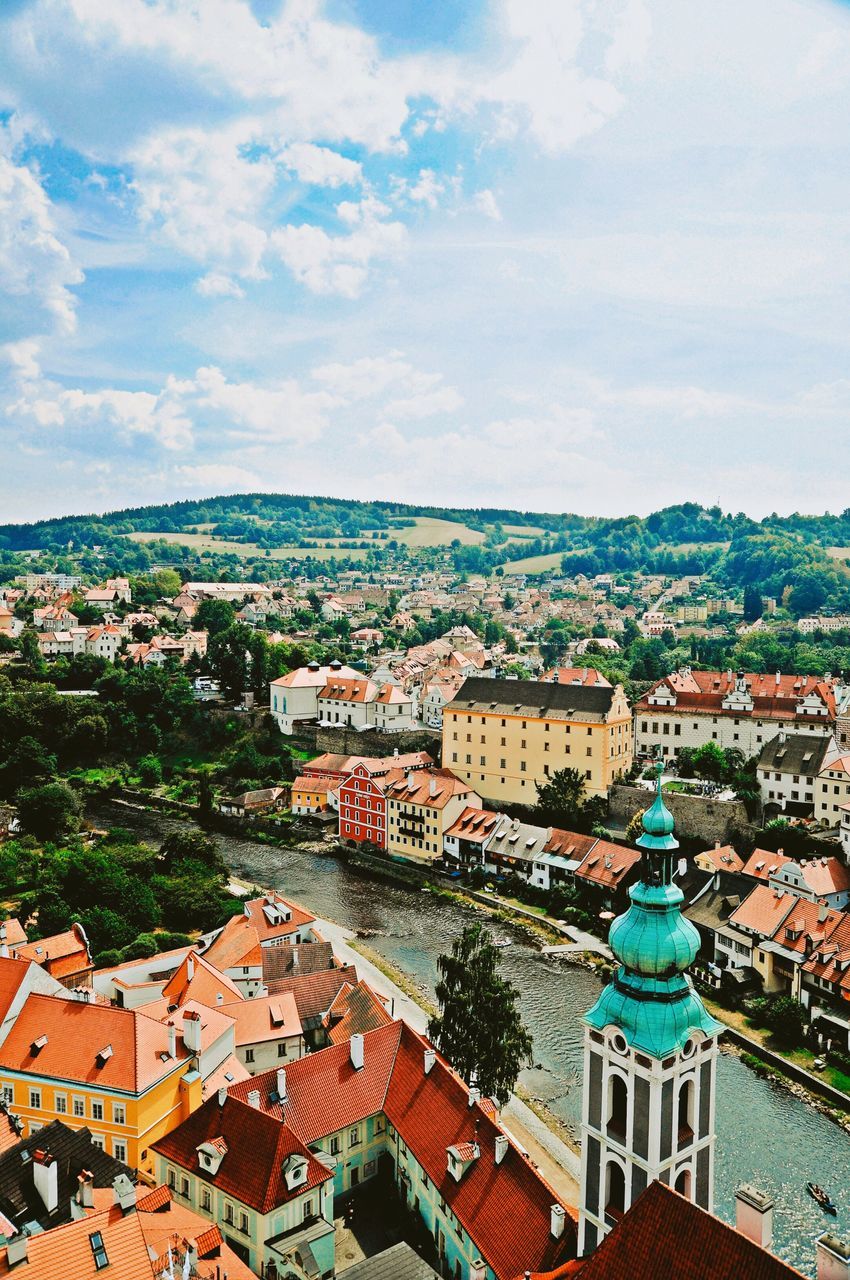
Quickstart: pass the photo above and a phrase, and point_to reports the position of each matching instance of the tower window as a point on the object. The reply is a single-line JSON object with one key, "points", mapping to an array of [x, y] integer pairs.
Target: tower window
{"points": [[686, 1113], [617, 1108], [615, 1193], [683, 1183]]}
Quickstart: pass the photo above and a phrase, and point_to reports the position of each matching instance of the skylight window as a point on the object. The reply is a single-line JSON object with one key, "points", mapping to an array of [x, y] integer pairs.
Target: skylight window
{"points": [[98, 1249]]}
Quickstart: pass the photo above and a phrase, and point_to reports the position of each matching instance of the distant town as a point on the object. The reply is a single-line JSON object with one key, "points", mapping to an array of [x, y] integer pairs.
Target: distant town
{"points": [[628, 750]]}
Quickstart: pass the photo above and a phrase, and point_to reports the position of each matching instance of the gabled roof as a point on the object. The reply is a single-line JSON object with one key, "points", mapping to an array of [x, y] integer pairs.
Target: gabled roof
{"points": [[236, 946], [574, 675], [831, 960], [663, 1234], [796, 753], [723, 857], [75, 1034], [355, 1011], [206, 985], [762, 863], [302, 957], [67, 1251], [74, 1151], [805, 926], [264, 914], [608, 865], [533, 698], [257, 1145], [433, 788], [473, 825], [314, 992], [763, 910], [264, 1018], [62, 954]]}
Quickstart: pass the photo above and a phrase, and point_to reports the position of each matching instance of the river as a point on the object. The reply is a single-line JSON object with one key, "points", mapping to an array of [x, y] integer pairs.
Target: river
{"points": [[765, 1135]]}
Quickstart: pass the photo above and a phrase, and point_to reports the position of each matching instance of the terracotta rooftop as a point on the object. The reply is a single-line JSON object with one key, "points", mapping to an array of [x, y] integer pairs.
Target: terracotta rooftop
{"points": [[264, 1018], [763, 910]]}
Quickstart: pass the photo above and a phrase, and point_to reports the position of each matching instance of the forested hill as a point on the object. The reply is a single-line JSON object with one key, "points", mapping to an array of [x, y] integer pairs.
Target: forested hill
{"points": [[805, 553]]}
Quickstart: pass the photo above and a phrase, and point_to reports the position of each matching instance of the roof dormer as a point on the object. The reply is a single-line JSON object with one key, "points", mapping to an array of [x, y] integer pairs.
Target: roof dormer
{"points": [[210, 1154], [461, 1157], [294, 1171]]}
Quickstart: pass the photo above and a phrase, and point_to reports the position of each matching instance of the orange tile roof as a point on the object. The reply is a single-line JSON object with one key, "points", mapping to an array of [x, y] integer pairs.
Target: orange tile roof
{"points": [[230, 1071], [574, 675], [50, 951], [314, 992], [473, 825], [806, 925], [360, 690], [446, 784], [12, 974], [236, 946], [264, 1018], [831, 960], [14, 931], [177, 1225], [355, 1011], [267, 929], [206, 984], [76, 1032], [762, 863], [773, 697], [723, 858], [67, 1251], [763, 910], [607, 864]]}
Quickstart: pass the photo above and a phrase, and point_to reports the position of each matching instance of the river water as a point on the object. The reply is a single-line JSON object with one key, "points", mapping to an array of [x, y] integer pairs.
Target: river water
{"points": [[765, 1135]]}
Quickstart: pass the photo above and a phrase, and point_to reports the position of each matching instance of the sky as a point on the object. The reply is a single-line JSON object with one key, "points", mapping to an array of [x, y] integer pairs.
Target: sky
{"points": [[560, 255]]}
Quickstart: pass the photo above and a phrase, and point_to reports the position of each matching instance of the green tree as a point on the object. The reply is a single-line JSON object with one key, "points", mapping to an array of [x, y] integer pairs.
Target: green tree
{"points": [[30, 652], [214, 616], [561, 802], [786, 1019], [479, 1028], [29, 764], [753, 607], [149, 770], [49, 812]]}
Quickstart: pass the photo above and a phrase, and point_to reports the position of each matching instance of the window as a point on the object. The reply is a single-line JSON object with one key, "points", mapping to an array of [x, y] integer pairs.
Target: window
{"points": [[8, 1093], [98, 1141], [35, 1099], [243, 1222], [228, 1213], [80, 1108], [98, 1249], [119, 1149], [172, 1179], [335, 1145], [184, 1188], [96, 1109], [308, 1210], [60, 1104], [249, 1055], [119, 1113], [354, 1136], [281, 1049], [617, 1108], [206, 1199]]}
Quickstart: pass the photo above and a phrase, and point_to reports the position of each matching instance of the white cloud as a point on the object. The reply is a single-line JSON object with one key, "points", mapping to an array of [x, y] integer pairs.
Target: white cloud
{"points": [[218, 477], [485, 202], [339, 264], [215, 284], [425, 189], [416, 394], [320, 166], [36, 269], [426, 404]]}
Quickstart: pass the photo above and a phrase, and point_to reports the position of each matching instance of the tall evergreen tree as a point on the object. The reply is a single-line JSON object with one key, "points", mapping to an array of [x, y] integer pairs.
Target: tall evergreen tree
{"points": [[479, 1028]]}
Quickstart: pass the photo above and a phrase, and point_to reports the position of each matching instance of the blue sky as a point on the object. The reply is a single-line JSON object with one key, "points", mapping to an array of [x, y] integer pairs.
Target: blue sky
{"points": [[552, 254]]}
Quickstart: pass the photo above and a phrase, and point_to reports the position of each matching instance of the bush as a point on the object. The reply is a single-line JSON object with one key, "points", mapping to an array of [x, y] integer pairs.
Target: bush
{"points": [[149, 770], [141, 948], [171, 941], [107, 959], [49, 812], [785, 1018]]}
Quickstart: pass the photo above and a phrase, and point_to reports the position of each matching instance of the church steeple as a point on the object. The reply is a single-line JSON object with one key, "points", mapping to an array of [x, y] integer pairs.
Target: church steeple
{"points": [[650, 1051]]}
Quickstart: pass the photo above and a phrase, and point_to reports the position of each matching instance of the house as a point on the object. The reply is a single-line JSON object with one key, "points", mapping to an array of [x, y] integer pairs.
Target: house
{"points": [[562, 855], [788, 769], [104, 642], [125, 1076], [393, 709], [607, 870], [757, 918], [65, 956], [309, 795], [778, 960], [367, 638], [825, 985], [436, 693], [744, 710], [387, 1103], [575, 675], [421, 806], [254, 803], [825, 880], [363, 806], [252, 1175], [833, 789], [505, 736], [721, 858], [513, 847], [347, 702], [465, 841], [267, 1030], [294, 697]]}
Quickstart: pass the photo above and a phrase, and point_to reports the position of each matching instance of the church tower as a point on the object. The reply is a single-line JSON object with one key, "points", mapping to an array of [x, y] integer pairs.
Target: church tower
{"points": [[650, 1053]]}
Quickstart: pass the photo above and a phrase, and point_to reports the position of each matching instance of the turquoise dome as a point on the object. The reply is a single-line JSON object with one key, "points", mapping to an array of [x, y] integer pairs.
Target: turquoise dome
{"points": [[653, 938], [655, 1018]]}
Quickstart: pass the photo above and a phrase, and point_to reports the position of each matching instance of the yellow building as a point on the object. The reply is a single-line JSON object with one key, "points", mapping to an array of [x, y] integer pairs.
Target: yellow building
{"points": [[309, 795], [126, 1077], [421, 806], [832, 789], [505, 736]]}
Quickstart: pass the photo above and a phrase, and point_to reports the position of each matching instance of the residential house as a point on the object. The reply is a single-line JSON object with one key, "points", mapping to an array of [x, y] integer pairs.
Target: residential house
{"points": [[779, 960], [315, 993], [254, 803], [833, 789], [721, 858], [367, 638], [825, 880], [387, 1103], [513, 847], [562, 855], [825, 985], [421, 806], [757, 918], [363, 806], [294, 697], [465, 841], [788, 769], [125, 1076], [243, 1169], [392, 709], [65, 956], [309, 795], [744, 710], [505, 736], [606, 871], [437, 692], [267, 1031]]}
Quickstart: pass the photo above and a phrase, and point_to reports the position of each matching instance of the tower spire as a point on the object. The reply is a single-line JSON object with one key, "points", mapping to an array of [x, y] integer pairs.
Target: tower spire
{"points": [[650, 1050]]}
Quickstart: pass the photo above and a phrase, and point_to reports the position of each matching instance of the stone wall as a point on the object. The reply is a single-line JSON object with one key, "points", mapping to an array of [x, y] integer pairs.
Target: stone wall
{"points": [[697, 817], [345, 741]]}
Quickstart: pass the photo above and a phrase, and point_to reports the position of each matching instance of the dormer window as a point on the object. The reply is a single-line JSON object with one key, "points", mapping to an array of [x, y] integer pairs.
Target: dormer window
{"points": [[294, 1171]]}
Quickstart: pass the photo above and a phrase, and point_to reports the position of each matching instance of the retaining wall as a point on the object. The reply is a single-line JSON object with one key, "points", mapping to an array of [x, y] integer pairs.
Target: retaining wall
{"points": [[697, 817]]}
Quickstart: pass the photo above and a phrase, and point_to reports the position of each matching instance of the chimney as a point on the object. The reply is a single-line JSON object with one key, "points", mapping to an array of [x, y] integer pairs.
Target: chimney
{"points": [[502, 1145], [557, 1219], [478, 1270], [190, 967], [172, 1040], [411, 779], [355, 1049], [754, 1215], [430, 1059], [222, 1096], [432, 786], [833, 1258], [474, 1096], [823, 912], [254, 1098], [45, 1175], [85, 1189], [16, 1250], [219, 998], [124, 1193], [192, 1030], [295, 960], [281, 1083]]}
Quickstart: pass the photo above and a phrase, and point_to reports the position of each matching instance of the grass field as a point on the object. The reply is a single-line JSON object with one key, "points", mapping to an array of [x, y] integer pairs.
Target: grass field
{"points": [[523, 530], [839, 553], [428, 531], [685, 548], [535, 564]]}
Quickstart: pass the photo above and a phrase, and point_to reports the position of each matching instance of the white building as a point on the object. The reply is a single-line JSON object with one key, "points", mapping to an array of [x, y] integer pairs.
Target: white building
{"points": [[294, 698]]}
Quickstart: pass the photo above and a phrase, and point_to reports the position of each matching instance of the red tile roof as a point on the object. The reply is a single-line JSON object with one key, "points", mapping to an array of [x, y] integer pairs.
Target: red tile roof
{"points": [[663, 1234], [762, 863], [831, 960], [257, 1143], [608, 865], [804, 928], [355, 1011], [431, 1113], [763, 910], [67, 1251], [264, 1018], [446, 785], [314, 992], [773, 697], [574, 675], [236, 946], [473, 825], [206, 984]]}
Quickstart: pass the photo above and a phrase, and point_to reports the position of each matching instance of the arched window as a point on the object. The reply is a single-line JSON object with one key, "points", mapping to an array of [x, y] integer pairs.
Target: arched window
{"points": [[683, 1183], [615, 1192], [618, 1102], [686, 1113]]}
